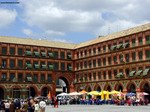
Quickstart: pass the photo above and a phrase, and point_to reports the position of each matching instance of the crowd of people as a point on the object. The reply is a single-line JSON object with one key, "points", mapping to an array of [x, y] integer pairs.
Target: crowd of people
{"points": [[22, 105]]}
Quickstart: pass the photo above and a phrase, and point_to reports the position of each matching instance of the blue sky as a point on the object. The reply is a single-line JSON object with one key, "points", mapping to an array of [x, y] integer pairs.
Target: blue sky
{"points": [[72, 21]]}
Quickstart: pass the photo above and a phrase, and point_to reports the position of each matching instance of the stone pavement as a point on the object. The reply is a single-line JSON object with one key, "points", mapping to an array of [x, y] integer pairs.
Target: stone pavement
{"points": [[98, 108]]}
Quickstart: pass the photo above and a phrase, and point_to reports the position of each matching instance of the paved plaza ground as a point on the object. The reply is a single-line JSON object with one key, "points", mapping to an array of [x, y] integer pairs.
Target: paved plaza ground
{"points": [[98, 108]]}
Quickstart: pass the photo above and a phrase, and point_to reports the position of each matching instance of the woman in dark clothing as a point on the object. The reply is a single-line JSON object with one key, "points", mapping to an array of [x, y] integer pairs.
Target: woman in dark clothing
{"points": [[12, 108]]}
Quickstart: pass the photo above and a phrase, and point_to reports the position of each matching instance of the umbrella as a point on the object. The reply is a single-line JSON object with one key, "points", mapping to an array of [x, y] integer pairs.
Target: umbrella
{"points": [[74, 94], [83, 92], [130, 94], [144, 93], [62, 94], [94, 93], [114, 92]]}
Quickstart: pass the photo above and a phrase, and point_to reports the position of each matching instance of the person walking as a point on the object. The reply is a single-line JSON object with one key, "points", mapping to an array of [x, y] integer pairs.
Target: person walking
{"points": [[7, 106], [36, 106], [42, 105]]}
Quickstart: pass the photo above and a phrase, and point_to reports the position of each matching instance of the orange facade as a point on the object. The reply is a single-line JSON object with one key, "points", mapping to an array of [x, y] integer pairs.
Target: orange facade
{"points": [[118, 61]]}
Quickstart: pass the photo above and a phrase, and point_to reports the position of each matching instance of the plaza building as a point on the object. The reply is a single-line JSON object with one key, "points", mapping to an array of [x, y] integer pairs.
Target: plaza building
{"points": [[119, 61]]}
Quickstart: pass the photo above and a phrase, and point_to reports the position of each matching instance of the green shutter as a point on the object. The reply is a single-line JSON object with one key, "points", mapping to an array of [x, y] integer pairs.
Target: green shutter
{"points": [[28, 53], [119, 46], [43, 54], [37, 66], [37, 54], [69, 56], [113, 47], [138, 73], [119, 75], [125, 45], [44, 66], [29, 79], [51, 67], [51, 54], [70, 68], [145, 72], [28, 66], [131, 74]]}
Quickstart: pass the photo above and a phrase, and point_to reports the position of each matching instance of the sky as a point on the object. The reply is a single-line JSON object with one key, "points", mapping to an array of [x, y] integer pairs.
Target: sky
{"points": [[71, 21]]}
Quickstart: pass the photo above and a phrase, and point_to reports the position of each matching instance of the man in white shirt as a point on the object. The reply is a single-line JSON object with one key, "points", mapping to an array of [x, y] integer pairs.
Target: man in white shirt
{"points": [[42, 106], [7, 106]]}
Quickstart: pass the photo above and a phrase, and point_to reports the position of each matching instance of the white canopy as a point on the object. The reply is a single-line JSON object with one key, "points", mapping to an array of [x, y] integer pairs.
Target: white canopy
{"points": [[74, 93], [62, 94]]}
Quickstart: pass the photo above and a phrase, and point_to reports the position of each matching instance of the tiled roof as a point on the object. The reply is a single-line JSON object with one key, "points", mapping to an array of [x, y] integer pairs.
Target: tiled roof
{"points": [[115, 35], [28, 41]]}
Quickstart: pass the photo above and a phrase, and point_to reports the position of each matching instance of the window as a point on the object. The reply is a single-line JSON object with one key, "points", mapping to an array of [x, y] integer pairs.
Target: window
{"points": [[109, 75], [56, 54], [12, 51], [90, 76], [20, 51], [90, 64], [121, 57], [85, 64], [115, 59], [85, 53], [104, 49], [69, 56], [4, 63], [77, 65], [94, 76], [35, 77], [109, 60], [4, 77], [81, 65], [56, 66], [42, 77], [99, 49], [85, 76], [4, 50], [127, 72], [127, 56], [62, 55], [63, 66], [20, 77], [94, 50], [89, 51], [99, 75], [140, 40], [104, 61], [20, 63], [147, 39], [147, 52], [104, 75], [12, 63], [109, 47], [94, 63], [133, 56], [99, 62], [81, 54], [133, 43], [115, 72], [140, 55], [49, 78], [12, 76], [77, 54]]}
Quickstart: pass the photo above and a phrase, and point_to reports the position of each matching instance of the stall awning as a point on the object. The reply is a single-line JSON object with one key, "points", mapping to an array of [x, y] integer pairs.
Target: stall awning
{"points": [[28, 53], [51, 54], [138, 73], [119, 75], [145, 72], [131, 74], [125, 45], [36, 53], [43, 54], [36, 66], [119, 46]]}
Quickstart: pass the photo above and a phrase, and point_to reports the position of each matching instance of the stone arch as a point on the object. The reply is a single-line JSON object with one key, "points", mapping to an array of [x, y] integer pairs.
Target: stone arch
{"points": [[119, 87], [88, 88], [97, 87], [2, 95], [131, 87], [107, 87], [65, 87], [145, 87], [32, 91], [16, 91], [45, 90]]}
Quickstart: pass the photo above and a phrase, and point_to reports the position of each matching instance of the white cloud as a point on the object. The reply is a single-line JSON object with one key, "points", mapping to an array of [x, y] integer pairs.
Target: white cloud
{"points": [[7, 17], [57, 18], [27, 32]]}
